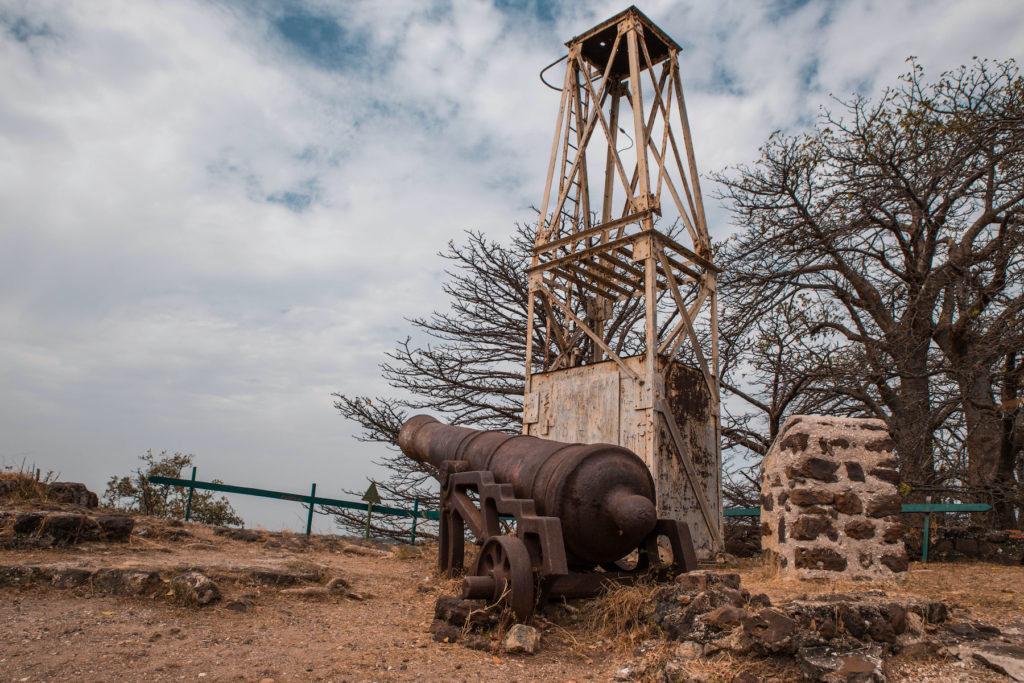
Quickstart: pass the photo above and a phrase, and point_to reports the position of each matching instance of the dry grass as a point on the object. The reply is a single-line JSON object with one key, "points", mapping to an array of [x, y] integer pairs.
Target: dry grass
{"points": [[989, 592], [620, 614], [22, 487], [764, 576]]}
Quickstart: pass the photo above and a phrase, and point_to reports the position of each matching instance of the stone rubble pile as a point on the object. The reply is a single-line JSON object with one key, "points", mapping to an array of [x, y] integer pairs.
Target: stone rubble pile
{"points": [[832, 637]]}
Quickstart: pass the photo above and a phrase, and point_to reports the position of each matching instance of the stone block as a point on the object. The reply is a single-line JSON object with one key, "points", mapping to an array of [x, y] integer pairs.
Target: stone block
{"points": [[810, 527], [859, 529], [848, 503], [804, 497]]}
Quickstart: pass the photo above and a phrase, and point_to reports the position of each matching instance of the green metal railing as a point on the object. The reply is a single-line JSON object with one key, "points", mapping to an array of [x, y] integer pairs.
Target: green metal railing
{"points": [[416, 514], [311, 500]]}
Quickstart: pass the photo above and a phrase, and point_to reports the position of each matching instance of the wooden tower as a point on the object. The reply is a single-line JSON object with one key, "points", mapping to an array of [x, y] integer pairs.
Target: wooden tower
{"points": [[623, 329]]}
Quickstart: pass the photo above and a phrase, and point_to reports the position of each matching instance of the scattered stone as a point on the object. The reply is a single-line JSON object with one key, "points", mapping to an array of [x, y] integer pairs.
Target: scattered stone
{"points": [[453, 610], [1004, 658], [689, 650], [830, 666], [350, 549], [445, 633], [971, 631], [128, 581], [73, 493], [68, 577], [915, 623], [675, 671], [115, 527], [474, 641], [239, 605], [726, 617], [338, 586], [268, 576], [745, 677], [313, 592], [194, 588], [247, 535], [771, 630], [521, 638], [759, 600], [626, 673], [702, 580]]}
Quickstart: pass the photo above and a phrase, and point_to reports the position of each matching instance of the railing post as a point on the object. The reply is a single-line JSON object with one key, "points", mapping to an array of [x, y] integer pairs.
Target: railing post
{"points": [[927, 523], [369, 513], [309, 518], [415, 514], [188, 502]]}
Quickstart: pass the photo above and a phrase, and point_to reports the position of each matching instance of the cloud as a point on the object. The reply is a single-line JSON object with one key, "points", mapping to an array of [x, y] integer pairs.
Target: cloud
{"points": [[216, 214]]}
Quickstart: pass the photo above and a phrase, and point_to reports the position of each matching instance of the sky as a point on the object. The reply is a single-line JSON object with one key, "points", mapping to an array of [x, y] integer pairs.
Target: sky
{"points": [[213, 215]]}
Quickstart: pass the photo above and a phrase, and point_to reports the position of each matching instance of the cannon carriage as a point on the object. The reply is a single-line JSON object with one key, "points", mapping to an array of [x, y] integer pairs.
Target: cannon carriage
{"points": [[578, 511]]}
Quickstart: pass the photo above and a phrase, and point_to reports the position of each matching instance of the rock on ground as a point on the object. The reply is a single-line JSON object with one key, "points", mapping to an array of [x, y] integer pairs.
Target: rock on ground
{"points": [[194, 588], [1006, 659], [521, 638]]}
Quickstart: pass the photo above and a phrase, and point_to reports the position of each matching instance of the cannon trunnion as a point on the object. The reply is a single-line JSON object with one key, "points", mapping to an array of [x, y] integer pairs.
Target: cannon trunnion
{"points": [[579, 509]]}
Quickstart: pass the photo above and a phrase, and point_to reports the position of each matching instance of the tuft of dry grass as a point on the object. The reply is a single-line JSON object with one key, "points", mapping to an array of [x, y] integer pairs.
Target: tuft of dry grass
{"points": [[404, 551], [17, 487], [620, 614]]}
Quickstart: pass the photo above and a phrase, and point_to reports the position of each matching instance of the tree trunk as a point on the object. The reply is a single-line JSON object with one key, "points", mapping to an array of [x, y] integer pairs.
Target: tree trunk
{"points": [[910, 424], [1010, 446]]}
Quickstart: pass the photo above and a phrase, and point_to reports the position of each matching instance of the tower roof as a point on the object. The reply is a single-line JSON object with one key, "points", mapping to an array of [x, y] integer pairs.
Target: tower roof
{"points": [[596, 44]]}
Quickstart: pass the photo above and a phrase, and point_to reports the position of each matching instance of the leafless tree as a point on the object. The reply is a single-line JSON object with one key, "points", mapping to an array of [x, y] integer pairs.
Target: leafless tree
{"points": [[900, 222], [470, 370]]}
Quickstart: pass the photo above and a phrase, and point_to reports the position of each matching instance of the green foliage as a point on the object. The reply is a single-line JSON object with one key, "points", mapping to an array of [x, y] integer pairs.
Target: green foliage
{"points": [[134, 493]]}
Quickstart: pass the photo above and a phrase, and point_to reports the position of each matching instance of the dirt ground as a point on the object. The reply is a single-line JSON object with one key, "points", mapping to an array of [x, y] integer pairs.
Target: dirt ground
{"points": [[79, 634]]}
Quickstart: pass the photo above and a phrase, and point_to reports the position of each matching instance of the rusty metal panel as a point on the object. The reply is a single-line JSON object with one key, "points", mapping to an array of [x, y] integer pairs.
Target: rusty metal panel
{"points": [[689, 401], [635, 428], [601, 403], [577, 405]]}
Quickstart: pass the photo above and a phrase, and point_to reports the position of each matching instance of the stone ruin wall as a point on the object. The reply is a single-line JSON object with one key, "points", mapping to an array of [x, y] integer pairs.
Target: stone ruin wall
{"points": [[829, 499]]}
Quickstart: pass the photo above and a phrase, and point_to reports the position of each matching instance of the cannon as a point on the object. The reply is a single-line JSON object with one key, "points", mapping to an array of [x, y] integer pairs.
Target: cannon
{"points": [[580, 513]]}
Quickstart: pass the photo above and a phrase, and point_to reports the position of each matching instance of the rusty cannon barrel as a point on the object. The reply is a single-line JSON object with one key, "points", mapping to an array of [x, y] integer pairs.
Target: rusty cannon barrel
{"points": [[603, 494]]}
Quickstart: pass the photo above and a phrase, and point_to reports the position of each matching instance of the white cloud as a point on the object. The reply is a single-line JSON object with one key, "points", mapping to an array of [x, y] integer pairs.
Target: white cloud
{"points": [[205, 228]]}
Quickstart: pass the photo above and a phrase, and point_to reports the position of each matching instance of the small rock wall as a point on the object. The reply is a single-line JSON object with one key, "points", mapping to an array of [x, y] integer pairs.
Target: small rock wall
{"points": [[829, 502], [953, 543]]}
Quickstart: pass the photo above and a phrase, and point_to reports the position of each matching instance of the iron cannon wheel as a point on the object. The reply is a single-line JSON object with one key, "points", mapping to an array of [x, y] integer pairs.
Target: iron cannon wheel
{"points": [[507, 561]]}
